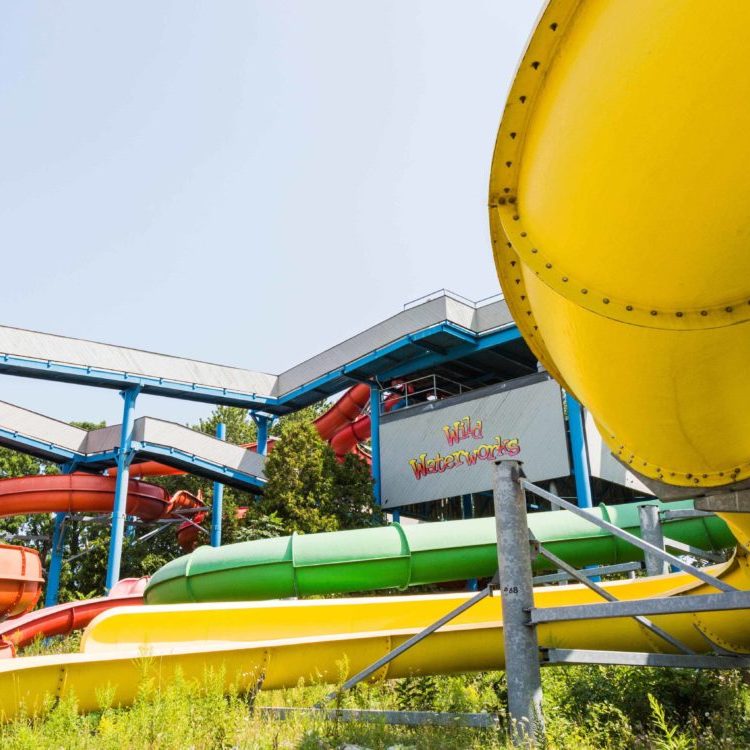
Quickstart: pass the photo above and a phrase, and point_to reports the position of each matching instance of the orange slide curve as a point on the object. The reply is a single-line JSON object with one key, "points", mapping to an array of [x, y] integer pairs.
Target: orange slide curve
{"points": [[63, 618], [20, 580], [20, 568]]}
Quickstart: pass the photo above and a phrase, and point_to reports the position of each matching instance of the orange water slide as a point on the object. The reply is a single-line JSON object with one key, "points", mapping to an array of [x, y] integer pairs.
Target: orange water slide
{"points": [[64, 618], [20, 580], [87, 493]]}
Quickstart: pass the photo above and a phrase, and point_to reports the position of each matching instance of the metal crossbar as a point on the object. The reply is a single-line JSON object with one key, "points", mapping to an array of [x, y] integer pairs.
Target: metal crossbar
{"points": [[406, 645], [643, 659], [631, 538], [596, 588], [404, 718], [694, 551], [666, 605], [602, 570]]}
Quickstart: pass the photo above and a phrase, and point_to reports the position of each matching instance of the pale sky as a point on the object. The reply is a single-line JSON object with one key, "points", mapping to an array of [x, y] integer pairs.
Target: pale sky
{"points": [[247, 183]]}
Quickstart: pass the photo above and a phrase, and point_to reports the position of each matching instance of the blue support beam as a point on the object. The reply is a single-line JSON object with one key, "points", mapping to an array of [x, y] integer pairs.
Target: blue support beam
{"points": [[581, 471], [263, 422], [375, 439], [217, 503], [124, 457], [56, 561]]}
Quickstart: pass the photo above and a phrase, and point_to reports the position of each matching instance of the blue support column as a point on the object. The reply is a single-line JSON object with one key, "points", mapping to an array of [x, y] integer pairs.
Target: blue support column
{"points": [[262, 422], [396, 515], [580, 454], [218, 498], [124, 457], [375, 438], [56, 561], [467, 511]]}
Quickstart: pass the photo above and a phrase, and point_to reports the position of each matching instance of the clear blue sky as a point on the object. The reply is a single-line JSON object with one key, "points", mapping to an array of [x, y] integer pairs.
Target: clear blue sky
{"points": [[242, 182]]}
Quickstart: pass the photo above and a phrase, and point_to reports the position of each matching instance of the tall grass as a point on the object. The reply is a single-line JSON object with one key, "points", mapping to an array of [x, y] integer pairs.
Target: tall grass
{"points": [[585, 707]]}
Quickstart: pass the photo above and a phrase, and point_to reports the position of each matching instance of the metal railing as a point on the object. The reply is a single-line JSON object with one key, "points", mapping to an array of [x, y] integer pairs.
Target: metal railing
{"points": [[424, 389], [438, 293]]}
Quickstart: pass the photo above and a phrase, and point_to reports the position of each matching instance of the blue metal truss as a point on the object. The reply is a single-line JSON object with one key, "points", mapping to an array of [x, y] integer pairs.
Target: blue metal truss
{"points": [[378, 363]]}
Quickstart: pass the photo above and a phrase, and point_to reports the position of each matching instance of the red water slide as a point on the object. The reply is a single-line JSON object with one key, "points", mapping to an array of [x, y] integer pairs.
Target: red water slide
{"points": [[64, 618]]}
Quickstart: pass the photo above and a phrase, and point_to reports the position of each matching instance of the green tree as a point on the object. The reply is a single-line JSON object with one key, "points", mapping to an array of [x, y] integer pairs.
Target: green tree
{"points": [[354, 500], [300, 479]]}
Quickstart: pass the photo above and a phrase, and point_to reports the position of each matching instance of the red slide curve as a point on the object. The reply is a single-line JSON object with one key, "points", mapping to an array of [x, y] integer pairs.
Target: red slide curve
{"points": [[347, 409], [350, 435], [64, 618], [87, 493], [344, 411], [20, 580]]}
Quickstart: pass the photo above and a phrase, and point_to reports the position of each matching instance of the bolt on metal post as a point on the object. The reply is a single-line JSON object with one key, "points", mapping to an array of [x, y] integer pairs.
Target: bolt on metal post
{"points": [[651, 532], [517, 595]]}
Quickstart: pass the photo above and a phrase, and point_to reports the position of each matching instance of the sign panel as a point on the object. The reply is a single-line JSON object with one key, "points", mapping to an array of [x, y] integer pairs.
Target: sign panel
{"points": [[604, 465], [448, 448]]}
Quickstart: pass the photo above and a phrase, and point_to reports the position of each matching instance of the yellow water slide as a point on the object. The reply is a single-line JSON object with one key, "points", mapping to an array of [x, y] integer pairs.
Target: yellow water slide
{"points": [[279, 644], [621, 230]]}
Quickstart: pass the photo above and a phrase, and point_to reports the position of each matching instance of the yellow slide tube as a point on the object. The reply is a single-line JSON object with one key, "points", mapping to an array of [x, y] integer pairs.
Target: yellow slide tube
{"points": [[620, 225], [279, 643]]}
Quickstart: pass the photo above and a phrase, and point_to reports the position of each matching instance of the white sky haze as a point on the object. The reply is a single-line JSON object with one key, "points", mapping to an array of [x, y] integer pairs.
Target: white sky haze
{"points": [[242, 182]]}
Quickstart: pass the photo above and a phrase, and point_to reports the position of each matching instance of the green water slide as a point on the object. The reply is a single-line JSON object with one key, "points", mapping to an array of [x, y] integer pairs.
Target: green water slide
{"points": [[399, 556]]}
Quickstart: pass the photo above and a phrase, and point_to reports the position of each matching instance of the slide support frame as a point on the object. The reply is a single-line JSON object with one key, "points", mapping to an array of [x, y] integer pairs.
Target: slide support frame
{"points": [[217, 501], [522, 670], [124, 457], [581, 470], [375, 440]]}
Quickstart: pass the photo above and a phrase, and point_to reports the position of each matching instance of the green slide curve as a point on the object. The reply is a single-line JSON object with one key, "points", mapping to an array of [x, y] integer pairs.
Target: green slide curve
{"points": [[399, 556]]}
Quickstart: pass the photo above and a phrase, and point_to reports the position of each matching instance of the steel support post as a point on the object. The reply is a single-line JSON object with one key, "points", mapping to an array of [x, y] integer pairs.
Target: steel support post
{"points": [[581, 472], [517, 595], [262, 422], [375, 439], [217, 502], [651, 532], [124, 457], [56, 561]]}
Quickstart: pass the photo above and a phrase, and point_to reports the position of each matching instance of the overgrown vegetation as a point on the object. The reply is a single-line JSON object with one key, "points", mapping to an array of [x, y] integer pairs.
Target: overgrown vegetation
{"points": [[587, 708]]}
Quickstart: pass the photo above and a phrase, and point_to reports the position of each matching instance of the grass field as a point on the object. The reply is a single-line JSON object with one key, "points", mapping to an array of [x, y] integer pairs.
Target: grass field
{"points": [[586, 707]]}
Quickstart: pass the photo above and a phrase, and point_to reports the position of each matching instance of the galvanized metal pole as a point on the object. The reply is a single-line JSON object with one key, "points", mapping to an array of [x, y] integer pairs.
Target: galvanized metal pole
{"points": [[514, 565], [124, 458], [651, 532], [375, 439], [56, 560], [581, 470], [217, 502]]}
